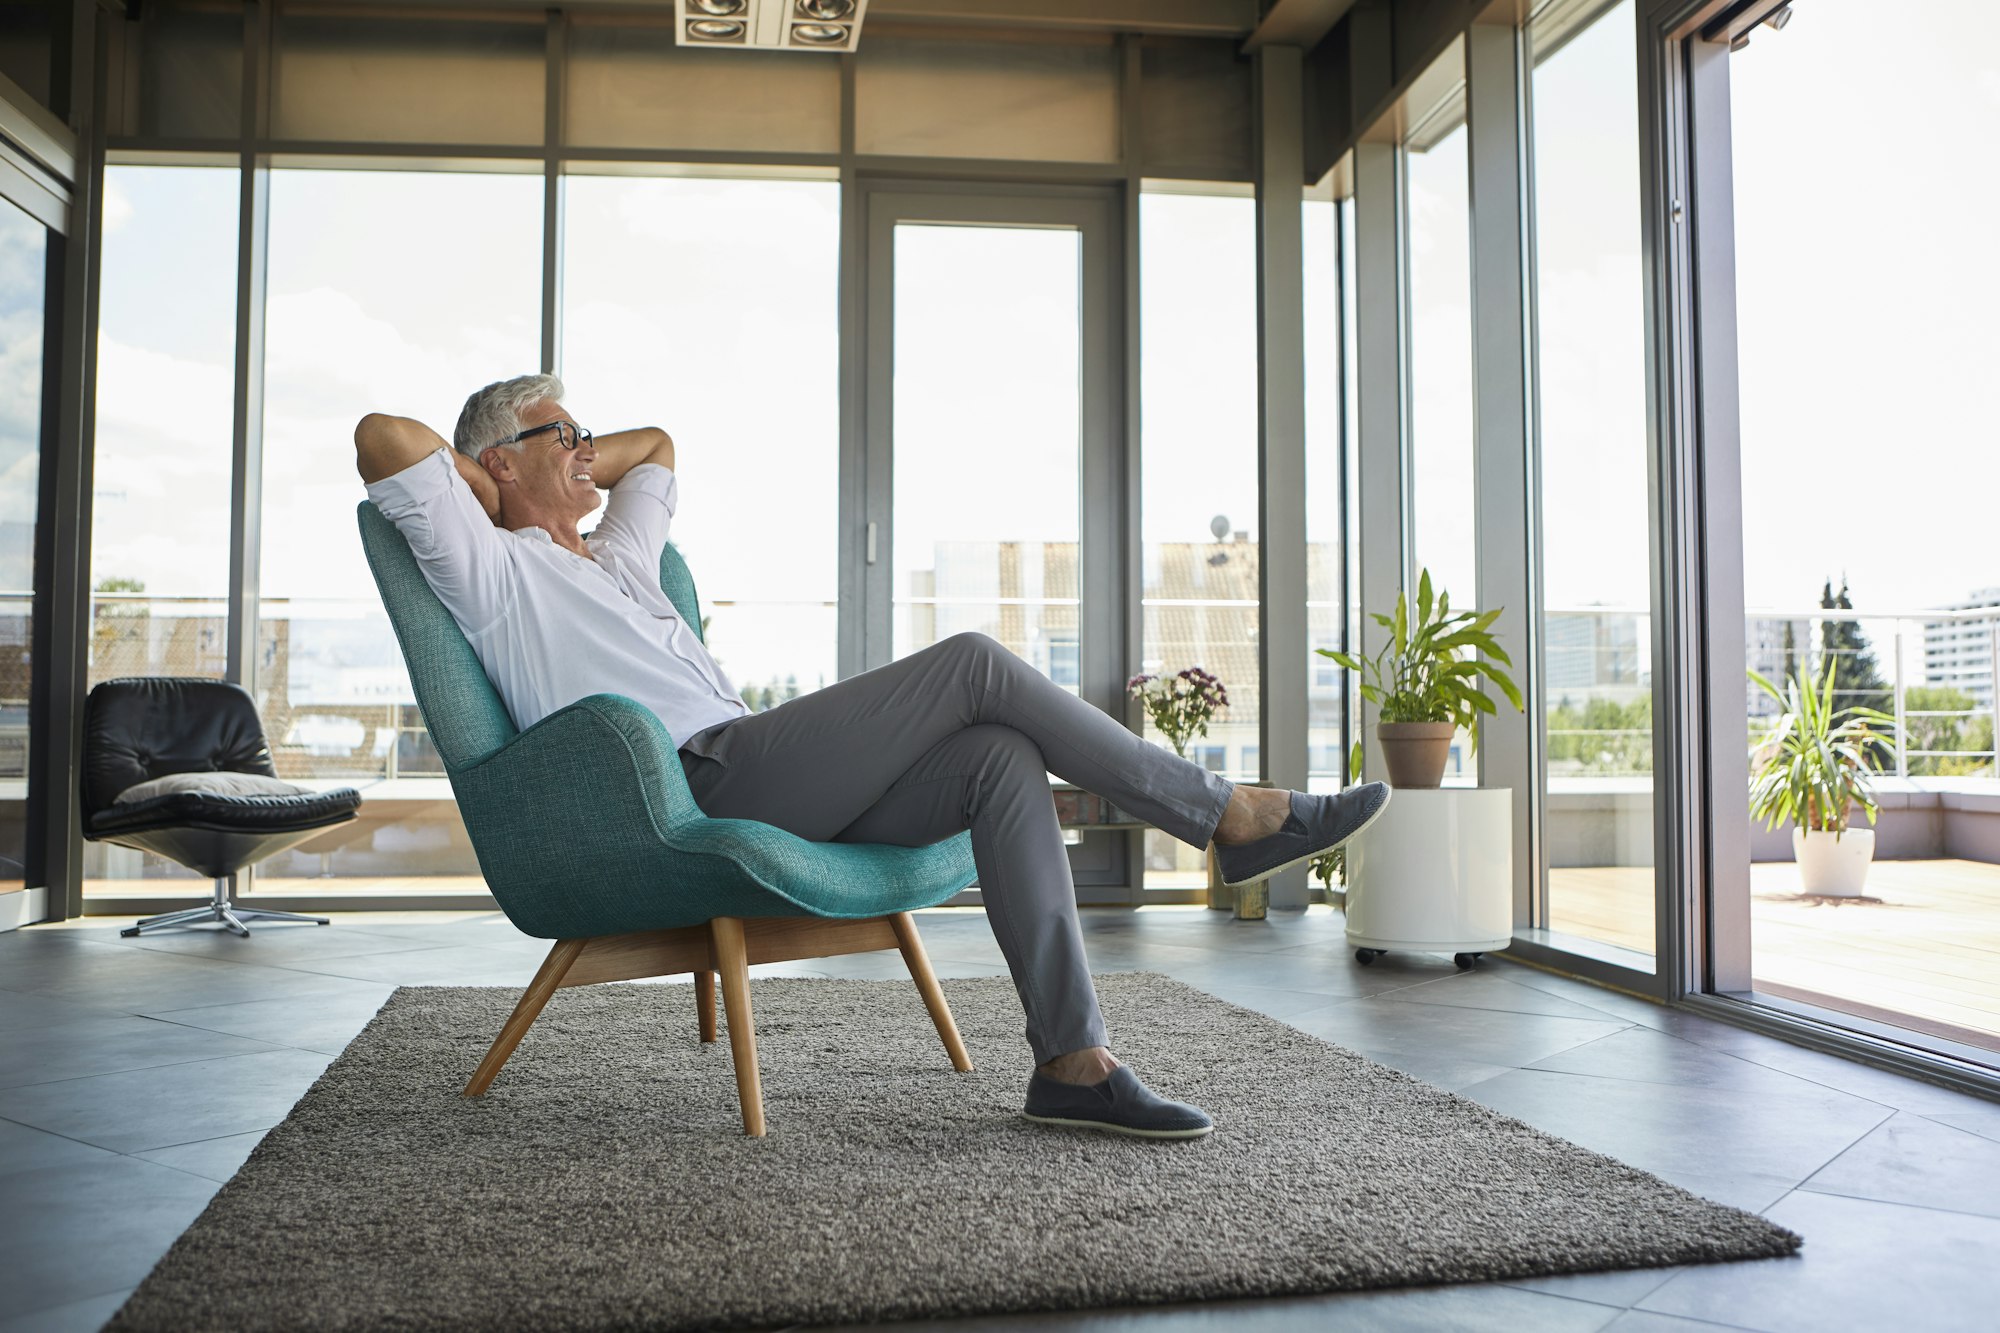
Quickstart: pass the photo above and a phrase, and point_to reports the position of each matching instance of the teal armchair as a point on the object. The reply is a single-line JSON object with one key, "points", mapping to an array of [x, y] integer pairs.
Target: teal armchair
{"points": [[658, 888]]}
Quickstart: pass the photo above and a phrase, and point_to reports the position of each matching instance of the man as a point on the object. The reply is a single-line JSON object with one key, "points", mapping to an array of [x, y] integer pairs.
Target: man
{"points": [[959, 735]]}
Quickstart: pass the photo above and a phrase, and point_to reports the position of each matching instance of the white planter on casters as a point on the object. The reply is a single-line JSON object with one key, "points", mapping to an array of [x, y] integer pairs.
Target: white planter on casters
{"points": [[1833, 867], [1435, 874]]}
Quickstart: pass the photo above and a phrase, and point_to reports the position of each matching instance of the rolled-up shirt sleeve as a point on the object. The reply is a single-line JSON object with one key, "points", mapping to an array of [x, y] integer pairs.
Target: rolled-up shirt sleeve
{"points": [[462, 554], [640, 510]]}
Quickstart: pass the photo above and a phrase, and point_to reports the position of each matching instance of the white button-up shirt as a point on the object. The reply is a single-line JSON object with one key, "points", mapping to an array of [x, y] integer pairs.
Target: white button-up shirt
{"points": [[551, 626]]}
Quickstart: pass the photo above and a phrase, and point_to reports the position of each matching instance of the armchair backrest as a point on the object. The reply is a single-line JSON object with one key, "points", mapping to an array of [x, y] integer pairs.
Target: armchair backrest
{"points": [[461, 708], [142, 727]]}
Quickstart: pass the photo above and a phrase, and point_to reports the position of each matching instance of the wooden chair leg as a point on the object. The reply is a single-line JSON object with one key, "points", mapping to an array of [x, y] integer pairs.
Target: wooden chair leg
{"points": [[547, 978], [704, 1002], [732, 958], [919, 964]]}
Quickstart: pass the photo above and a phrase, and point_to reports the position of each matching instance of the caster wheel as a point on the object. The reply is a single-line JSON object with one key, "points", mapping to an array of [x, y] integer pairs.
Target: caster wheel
{"points": [[1465, 960], [1367, 956]]}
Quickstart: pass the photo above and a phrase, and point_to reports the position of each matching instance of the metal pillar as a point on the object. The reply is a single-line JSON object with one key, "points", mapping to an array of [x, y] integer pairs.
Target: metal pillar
{"points": [[1281, 452], [1380, 464], [1506, 502]]}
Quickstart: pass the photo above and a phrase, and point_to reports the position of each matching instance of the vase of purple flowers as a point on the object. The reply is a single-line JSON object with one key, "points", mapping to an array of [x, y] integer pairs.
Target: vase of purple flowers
{"points": [[1181, 704]]}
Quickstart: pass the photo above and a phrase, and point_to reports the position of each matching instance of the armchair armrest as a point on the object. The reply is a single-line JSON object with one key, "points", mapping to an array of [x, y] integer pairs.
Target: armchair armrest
{"points": [[612, 753]]}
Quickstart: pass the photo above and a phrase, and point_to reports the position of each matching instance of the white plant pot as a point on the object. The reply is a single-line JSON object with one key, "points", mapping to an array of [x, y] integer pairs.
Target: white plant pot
{"points": [[1830, 866]]}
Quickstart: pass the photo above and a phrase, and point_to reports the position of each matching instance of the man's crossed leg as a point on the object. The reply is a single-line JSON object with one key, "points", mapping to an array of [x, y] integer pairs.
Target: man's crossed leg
{"points": [[961, 736]]}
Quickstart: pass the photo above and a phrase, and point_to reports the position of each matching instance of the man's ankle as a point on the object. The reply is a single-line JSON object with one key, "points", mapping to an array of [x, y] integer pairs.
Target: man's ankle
{"points": [[1093, 1064]]}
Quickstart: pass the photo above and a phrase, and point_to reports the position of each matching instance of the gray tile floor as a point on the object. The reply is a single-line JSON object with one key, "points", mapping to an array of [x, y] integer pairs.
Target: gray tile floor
{"points": [[136, 1075]]}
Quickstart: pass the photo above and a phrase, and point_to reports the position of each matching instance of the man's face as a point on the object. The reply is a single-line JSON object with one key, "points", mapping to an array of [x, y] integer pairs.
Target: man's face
{"points": [[546, 473]]}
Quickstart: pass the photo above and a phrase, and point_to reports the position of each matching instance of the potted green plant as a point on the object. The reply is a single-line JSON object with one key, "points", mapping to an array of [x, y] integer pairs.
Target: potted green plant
{"points": [[1425, 682], [1814, 766]]}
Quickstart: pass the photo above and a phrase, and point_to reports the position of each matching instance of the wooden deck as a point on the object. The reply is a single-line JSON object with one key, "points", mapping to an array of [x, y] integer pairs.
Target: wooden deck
{"points": [[1921, 950]]}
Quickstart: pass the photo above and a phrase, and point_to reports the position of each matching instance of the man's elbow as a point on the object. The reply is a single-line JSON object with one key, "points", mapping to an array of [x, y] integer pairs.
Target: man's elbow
{"points": [[384, 445], [662, 447]]}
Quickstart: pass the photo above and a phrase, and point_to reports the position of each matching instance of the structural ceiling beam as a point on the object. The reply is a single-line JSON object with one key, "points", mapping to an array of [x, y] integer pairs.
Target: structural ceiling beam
{"points": [[1299, 23]]}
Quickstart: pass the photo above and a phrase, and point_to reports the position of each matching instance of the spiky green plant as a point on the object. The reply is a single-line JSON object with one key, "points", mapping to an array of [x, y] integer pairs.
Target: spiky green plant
{"points": [[1429, 669], [1813, 765]]}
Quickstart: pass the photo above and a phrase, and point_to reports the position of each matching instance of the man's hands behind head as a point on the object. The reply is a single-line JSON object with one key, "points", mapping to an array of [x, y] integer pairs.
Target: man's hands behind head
{"points": [[385, 445]]}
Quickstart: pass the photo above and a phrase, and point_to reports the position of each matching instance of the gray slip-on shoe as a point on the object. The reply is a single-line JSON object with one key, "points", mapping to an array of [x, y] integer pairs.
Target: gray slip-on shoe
{"points": [[1121, 1104], [1315, 826]]}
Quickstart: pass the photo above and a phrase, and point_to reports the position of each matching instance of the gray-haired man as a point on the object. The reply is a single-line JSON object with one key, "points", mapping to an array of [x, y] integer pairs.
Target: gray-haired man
{"points": [[960, 735]]}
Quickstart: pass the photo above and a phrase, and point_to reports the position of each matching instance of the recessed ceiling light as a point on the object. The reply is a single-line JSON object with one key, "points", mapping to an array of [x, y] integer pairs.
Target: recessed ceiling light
{"points": [[820, 34], [719, 8], [715, 30], [825, 9]]}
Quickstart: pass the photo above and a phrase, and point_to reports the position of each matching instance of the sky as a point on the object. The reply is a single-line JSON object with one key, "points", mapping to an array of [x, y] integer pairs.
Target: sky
{"points": [[1865, 278]]}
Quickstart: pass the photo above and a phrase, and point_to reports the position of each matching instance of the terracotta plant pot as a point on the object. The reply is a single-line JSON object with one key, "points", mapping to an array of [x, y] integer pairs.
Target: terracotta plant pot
{"points": [[1415, 751], [1831, 867]]}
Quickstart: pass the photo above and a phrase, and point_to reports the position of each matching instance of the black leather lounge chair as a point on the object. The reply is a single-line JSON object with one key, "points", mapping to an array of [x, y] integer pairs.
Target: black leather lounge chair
{"points": [[146, 727]]}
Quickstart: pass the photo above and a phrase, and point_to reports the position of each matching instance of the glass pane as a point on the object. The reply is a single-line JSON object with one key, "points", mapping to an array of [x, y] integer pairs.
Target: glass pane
{"points": [[1591, 358], [390, 291], [23, 303], [1440, 376], [1327, 330], [1198, 487], [1868, 472], [1195, 118], [159, 560], [736, 361], [190, 73], [1032, 101], [987, 440], [410, 81], [166, 365], [633, 88]]}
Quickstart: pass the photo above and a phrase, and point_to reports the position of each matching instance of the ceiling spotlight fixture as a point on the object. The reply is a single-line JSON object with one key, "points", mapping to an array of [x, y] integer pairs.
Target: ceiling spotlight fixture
{"points": [[832, 26], [1777, 20]]}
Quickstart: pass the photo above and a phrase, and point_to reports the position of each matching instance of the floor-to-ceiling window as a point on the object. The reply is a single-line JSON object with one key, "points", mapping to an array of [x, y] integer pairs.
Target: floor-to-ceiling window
{"points": [[393, 291], [166, 340], [708, 307], [1592, 473], [1198, 474], [1438, 345], [1869, 467], [24, 245]]}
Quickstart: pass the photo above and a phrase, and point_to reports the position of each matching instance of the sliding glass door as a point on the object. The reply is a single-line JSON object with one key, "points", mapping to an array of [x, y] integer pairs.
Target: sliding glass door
{"points": [[991, 414]]}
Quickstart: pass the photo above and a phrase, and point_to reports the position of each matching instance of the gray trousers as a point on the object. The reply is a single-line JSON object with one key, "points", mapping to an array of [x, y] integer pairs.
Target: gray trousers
{"points": [[961, 735]]}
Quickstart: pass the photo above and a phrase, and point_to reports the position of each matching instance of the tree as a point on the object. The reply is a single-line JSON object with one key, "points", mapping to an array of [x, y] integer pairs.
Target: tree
{"points": [[1857, 680], [1969, 735], [119, 629], [1603, 736]]}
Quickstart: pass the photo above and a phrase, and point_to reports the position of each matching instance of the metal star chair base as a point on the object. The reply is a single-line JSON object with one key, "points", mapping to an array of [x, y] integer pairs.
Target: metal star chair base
{"points": [[219, 908]]}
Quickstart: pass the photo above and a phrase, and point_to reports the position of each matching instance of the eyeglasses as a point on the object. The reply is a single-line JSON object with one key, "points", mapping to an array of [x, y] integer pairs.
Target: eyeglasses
{"points": [[568, 434]]}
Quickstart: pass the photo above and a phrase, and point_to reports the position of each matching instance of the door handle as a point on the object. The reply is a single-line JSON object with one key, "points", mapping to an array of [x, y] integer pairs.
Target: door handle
{"points": [[871, 543]]}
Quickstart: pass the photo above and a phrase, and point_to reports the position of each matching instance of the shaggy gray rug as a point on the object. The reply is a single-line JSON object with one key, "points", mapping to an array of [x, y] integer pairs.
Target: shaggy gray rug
{"points": [[604, 1182]]}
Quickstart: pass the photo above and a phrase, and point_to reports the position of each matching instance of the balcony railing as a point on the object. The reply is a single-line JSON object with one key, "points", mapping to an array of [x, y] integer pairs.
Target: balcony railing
{"points": [[1615, 644], [338, 702]]}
